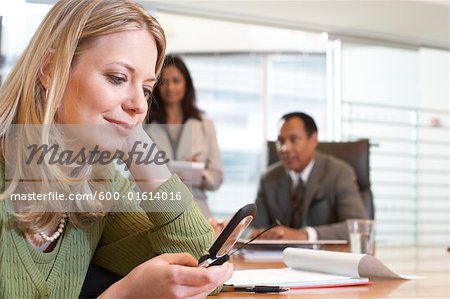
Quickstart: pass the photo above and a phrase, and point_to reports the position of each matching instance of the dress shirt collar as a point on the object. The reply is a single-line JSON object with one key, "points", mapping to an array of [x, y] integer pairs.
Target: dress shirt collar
{"points": [[304, 174]]}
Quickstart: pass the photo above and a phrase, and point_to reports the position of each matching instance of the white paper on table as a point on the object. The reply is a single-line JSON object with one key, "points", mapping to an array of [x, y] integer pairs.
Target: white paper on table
{"points": [[261, 255], [272, 250], [339, 263], [293, 243], [318, 268], [287, 277]]}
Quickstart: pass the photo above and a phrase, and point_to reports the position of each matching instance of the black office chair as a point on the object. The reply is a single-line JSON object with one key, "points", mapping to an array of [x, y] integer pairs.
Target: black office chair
{"points": [[355, 153]]}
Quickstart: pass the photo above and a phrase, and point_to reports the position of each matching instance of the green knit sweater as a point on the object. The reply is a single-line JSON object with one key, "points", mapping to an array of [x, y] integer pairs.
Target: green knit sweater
{"points": [[119, 242]]}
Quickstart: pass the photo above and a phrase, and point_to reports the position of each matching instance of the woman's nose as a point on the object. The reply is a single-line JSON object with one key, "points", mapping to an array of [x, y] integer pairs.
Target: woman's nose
{"points": [[168, 85], [136, 104]]}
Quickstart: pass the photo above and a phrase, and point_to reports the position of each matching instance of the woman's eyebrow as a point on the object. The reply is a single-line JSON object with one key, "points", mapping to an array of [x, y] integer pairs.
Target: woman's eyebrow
{"points": [[131, 69]]}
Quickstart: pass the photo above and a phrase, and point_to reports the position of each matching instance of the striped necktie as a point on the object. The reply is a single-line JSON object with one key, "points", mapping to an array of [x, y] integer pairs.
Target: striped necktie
{"points": [[297, 196]]}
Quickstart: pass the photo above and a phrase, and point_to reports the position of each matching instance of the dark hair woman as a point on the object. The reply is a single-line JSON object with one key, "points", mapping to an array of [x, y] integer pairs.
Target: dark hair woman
{"points": [[181, 130]]}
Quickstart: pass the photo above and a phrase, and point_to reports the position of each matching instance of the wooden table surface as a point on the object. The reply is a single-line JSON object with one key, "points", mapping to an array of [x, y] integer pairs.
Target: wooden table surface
{"points": [[433, 263]]}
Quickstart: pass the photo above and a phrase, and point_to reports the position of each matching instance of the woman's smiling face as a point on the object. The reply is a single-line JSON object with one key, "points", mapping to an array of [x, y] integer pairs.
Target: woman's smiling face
{"points": [[111, 81]]}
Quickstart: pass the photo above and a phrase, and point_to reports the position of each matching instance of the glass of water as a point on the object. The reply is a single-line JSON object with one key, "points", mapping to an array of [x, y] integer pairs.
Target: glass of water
{"points": [[362, 235]]}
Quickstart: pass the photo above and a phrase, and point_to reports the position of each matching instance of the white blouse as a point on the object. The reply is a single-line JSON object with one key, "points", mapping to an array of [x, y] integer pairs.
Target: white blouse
{"points": [[194, 138]]}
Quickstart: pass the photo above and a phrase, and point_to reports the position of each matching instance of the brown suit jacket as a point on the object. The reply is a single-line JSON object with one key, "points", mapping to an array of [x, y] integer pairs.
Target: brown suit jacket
{"points": [[331, 196]]}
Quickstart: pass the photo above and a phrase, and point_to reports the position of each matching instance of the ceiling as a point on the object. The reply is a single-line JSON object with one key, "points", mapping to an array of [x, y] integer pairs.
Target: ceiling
{"points": [[414, 23], [404, 22]]}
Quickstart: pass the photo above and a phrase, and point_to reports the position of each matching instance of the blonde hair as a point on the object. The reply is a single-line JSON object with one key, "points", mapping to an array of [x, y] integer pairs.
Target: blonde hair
{"points": [[68, 29]]}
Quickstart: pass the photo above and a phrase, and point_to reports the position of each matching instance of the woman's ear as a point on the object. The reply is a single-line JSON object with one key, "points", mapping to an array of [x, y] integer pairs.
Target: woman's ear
{"points": [[44, 70]]}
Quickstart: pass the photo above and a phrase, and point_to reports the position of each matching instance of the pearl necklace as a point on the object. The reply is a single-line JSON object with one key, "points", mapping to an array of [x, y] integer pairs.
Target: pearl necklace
{"points": [[57, 233]]}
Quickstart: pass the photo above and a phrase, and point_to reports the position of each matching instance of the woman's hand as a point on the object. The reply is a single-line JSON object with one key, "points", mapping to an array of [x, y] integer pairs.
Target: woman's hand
{"points": [[147, 164], [170, 276], [218, 225]]}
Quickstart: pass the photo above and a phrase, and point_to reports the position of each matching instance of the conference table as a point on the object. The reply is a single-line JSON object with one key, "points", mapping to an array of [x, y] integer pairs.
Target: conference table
{"points": [[431, 263]]}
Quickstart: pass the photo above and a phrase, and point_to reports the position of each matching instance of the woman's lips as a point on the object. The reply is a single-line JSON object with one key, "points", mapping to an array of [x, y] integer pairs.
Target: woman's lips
{"points": [[123, 127]]}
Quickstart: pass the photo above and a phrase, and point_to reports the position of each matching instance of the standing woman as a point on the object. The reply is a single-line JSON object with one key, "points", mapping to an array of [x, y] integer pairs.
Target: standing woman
{"points": [[182, 130], [89, 72]]}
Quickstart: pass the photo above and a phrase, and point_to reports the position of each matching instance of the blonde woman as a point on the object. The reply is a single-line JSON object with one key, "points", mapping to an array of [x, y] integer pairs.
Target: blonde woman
{"points": [[90, 68]]}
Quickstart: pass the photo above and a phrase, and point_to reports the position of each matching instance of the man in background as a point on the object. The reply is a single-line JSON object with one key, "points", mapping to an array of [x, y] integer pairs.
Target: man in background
{"points": [[310, 193]]}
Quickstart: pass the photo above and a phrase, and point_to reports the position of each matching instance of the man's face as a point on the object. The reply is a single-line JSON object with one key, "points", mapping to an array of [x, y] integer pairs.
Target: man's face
{"points": [[294, 146]]}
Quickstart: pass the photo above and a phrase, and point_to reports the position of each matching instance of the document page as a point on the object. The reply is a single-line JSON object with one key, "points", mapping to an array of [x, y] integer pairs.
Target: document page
{"points": [[340, 263], [309, 268], [287, 277]]}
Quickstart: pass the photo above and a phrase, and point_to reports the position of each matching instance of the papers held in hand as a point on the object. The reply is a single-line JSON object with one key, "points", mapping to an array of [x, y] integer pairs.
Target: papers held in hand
{"points": [[316, 268], [190, 172]]}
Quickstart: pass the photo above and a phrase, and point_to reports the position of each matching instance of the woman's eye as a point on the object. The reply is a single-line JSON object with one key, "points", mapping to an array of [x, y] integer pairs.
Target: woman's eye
{"points": [[116, 79], [147, 93]]}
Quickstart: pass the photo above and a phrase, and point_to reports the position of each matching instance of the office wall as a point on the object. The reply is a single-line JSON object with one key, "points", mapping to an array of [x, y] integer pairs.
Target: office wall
{"points": [[399, 99], [380, 75], [187, 34], [20, 21], [434, 151], [434, 79]]}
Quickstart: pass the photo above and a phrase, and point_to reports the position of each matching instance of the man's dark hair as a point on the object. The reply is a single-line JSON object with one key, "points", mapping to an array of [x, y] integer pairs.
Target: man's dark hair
{"points": [[190, 109], [310, 124]]}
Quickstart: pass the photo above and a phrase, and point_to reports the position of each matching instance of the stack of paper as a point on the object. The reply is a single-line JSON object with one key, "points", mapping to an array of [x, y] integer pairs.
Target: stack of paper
{"points": [[317, 268], [272, 250], [261, 255]]}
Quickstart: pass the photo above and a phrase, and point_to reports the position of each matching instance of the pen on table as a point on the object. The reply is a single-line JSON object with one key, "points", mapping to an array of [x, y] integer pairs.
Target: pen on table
{"points": [[254, 289]]}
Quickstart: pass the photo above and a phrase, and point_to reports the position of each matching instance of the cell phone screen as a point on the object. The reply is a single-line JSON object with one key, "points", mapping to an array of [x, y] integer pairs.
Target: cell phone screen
{"points": [[218, 253]]}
